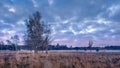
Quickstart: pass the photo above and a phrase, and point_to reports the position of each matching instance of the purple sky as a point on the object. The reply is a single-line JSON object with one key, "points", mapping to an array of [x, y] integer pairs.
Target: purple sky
{"points": [[74, 22]]}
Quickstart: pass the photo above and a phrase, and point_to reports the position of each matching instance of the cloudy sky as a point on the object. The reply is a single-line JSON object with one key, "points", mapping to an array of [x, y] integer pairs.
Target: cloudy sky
{"points": [[73, 22]]}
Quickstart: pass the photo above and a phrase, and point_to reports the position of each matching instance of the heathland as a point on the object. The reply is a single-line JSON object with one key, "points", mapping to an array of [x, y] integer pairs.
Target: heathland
{"points": [[59, 60]]}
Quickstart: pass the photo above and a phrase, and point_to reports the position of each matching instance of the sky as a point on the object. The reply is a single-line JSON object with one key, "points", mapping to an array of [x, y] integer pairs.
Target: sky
{"points": [[73, 22]]}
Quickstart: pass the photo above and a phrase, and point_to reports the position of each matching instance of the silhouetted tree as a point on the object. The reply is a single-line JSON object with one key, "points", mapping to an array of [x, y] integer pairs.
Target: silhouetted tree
{"points": [[90, 44], [14, 41], [37, 33], [58, 45], [97, 50]]}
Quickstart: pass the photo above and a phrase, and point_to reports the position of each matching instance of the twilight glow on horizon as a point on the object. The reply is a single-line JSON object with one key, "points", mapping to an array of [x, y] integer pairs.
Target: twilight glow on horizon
{"points": [[73, 22]]}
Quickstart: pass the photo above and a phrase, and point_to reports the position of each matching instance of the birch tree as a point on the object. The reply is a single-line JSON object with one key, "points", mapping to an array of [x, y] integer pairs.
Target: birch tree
{"points": [[37, 32]]}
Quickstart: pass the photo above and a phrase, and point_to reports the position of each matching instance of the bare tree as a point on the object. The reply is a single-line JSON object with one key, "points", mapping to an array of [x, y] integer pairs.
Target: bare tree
{"points": [[14, 41], [37, 32], [90, 44]]}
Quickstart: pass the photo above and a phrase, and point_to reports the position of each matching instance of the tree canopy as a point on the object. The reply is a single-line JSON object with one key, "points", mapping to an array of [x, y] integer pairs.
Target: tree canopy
{"points": [[37, 32]]}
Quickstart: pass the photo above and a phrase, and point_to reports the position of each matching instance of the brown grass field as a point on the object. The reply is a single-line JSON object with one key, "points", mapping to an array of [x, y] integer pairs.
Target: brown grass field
{"points": [[59, 60]]}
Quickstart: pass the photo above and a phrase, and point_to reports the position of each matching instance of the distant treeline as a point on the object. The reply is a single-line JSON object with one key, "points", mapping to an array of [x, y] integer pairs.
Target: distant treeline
{"points": [[9, 47], [112, 47], [59, 47]]}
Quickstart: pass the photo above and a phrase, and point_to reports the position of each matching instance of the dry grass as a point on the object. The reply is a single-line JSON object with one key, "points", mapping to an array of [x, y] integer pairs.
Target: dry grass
{"points": [[59, 60]]}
